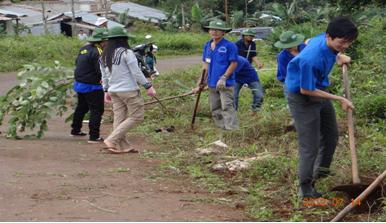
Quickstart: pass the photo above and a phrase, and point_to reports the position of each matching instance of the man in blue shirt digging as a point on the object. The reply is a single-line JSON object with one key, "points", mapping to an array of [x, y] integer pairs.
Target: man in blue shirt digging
{"points": [[310, 103]]}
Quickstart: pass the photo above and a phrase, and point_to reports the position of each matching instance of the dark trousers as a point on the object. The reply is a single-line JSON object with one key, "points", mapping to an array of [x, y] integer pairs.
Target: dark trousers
{"points": [[93, 102], [317, 131]]}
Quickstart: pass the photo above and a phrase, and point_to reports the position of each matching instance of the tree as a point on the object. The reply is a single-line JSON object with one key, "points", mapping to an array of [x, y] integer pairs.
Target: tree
{"points": [[42, 91]]}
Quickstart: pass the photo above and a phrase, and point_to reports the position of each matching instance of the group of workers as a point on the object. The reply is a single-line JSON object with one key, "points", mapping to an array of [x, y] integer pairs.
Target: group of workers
{"points": [[303, 68]]}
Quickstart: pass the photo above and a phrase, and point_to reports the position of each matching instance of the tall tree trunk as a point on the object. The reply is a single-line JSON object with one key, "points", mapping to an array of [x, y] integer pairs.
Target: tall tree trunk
{"points": [[226, 10], [106, 8], [73, 18], [44, 17], [183, 17]]}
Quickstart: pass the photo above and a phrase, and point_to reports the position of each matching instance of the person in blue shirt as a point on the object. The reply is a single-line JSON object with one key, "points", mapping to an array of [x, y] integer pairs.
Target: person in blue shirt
{"points": [[247, 48], [88, 86], [246, 74], [310, 103], [219, 62], [291, 44]]}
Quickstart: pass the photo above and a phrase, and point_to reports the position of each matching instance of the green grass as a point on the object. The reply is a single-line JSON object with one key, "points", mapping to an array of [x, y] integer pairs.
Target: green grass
{"points": [[17, 51], [272, 182]]}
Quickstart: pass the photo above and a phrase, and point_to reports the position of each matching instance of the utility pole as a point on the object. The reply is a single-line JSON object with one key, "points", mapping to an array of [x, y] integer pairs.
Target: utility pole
{"points": [[106, 8], [183, 16], [226, 10], [246, 12], [73, 18], [44, 17]]}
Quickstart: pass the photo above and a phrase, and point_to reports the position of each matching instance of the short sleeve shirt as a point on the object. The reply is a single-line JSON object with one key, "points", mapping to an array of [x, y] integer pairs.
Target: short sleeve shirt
{"points": [[244, 49], [310, 69], [219, 60], [245, 72], [283, 58]]}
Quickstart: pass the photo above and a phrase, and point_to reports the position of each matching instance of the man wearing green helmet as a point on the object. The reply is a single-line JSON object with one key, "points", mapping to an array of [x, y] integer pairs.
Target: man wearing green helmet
{"points": [[219, 62], [88, 86]]}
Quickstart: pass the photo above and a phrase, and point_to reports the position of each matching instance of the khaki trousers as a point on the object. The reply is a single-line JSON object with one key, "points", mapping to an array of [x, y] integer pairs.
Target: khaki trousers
{"points": [[222, 107], [128, 109]]}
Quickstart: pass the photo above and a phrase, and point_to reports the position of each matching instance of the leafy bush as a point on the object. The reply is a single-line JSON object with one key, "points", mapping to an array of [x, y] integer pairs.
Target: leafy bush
{"points": [[372, 107], [30, 104]]}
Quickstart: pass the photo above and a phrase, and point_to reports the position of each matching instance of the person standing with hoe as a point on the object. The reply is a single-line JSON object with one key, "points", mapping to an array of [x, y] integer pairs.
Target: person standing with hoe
{"points": [[219, 62], [247, 48], [310, 102]]}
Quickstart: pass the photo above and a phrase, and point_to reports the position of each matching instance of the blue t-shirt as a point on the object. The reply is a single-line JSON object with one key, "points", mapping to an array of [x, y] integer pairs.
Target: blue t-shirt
{"points": [[309, 70], [86, 88], [245, 72], [219, 60], [283, 58]]}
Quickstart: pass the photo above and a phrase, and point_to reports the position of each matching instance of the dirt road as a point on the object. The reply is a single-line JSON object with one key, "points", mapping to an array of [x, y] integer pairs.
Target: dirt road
{"points": [[61, 178]]}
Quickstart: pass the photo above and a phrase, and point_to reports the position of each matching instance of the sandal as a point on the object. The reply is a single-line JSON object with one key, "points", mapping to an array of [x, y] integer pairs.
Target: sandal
{"points": [[116, 151]]}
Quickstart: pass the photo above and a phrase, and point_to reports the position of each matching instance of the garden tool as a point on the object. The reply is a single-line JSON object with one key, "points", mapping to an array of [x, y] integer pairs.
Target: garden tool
{"points": [[358, 200], [201, 87], [355, 189], [169, 98], [162, 106]]}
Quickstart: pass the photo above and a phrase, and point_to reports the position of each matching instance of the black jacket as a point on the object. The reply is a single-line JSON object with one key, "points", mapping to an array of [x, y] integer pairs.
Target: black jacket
{"points": [[87, 65]]}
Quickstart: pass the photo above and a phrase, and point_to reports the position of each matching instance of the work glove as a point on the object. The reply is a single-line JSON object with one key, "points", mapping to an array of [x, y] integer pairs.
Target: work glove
{"points": [[221, 84]]}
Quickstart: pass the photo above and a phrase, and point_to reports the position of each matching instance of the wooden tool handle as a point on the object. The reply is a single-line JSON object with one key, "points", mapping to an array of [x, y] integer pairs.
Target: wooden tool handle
{"points": [[358, 200], [198, 98], [351, 132]]}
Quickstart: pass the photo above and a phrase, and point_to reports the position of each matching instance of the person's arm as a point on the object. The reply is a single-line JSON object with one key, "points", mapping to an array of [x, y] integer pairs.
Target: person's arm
{"points": [[308, 85], [105, 81], [258, 63], [346, 104], [232, 66], [221, 83], [139, 77], [281, 68]]}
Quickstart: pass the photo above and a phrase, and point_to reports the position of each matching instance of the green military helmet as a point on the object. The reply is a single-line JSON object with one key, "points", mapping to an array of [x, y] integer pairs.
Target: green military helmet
{"points": [[117, 31], [248, 32], [98, 35], [218, 24], [289, 39]]}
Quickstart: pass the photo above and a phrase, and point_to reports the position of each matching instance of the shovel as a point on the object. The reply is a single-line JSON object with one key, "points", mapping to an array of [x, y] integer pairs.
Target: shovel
{"points": [[354, 190]]}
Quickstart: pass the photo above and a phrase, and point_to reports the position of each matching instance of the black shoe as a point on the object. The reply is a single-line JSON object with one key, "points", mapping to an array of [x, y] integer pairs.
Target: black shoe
{"points": [[322, 173], [78, 134], [308, 191], [97, 140]]}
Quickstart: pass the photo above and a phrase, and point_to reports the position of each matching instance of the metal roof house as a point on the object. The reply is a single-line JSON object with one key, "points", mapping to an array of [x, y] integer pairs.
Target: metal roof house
{"points": [[261, 32], [28, 16], [138, 11], [56, 23]]}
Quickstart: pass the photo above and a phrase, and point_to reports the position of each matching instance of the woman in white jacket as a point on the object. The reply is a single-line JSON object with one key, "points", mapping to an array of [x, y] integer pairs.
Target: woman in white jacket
{"points": [[121, 78]]}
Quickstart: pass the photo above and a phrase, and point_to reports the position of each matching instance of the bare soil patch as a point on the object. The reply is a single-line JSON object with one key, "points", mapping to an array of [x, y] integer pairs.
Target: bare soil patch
{"points": [[62, 178]]}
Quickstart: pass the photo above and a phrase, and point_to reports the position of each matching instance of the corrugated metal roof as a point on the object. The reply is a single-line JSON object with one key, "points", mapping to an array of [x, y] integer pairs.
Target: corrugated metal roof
{"points": [[139, 11], [91, 18], [11, 12], [27, 16], [3, 18], [261, 32]]}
